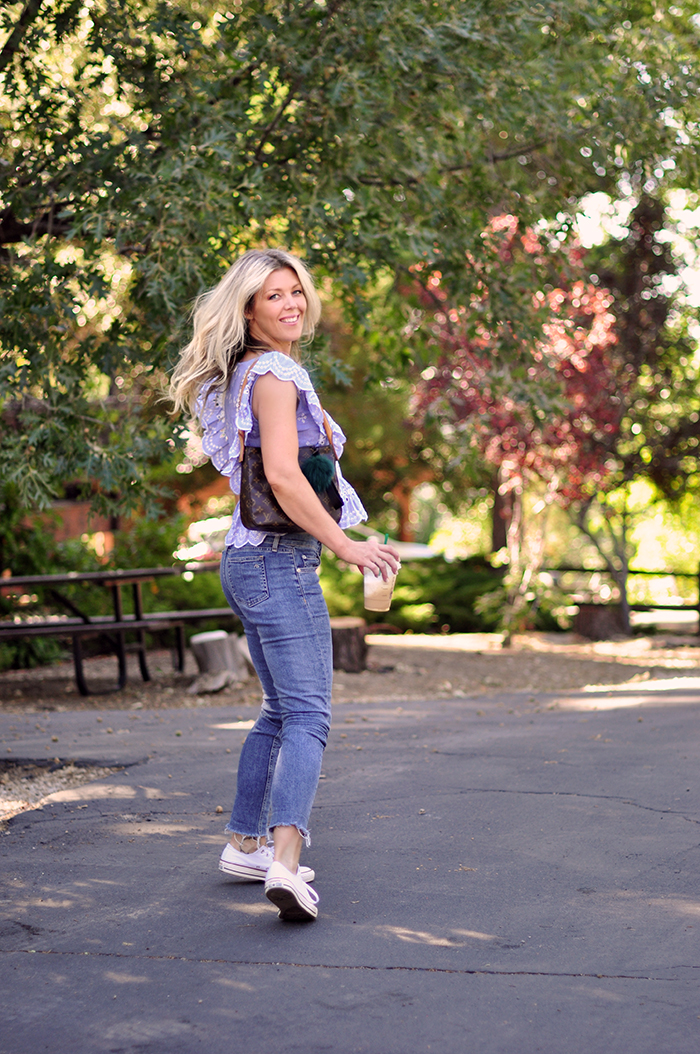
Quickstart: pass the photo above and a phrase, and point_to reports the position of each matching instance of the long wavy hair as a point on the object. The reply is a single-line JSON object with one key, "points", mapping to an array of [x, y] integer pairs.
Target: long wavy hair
{"points": [[221, 335]]}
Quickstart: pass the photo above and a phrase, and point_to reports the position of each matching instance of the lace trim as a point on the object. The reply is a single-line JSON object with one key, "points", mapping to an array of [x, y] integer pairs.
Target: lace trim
{"points": [[217, 434]]}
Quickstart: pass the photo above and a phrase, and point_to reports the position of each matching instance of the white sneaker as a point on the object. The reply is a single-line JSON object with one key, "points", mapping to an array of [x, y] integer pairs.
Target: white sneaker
{"points": [[296, 901], [254, 866]]}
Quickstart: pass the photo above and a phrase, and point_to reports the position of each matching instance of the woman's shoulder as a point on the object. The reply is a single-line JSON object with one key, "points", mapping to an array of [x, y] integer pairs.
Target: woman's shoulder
{"points": [[283, 367]]}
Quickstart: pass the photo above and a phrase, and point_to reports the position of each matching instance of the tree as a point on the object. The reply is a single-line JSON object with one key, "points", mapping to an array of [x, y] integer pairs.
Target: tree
{"points": [[146, 142], [386, 457], [656, 433], [617, 398]]}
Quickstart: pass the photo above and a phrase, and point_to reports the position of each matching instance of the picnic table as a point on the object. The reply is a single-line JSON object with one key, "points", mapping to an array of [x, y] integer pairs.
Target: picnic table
{"points": [[78, 625]]}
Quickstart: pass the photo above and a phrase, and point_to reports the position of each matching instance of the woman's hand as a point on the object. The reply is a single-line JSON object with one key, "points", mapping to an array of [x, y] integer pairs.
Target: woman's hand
{"points": [[372, 555]]}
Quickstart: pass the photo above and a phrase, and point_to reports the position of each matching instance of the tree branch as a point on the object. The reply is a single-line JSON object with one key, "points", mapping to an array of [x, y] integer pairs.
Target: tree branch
{"points": [[276, 119], [413, 181], [12, 230], [11, 45], [595, 538], [329, 15]]}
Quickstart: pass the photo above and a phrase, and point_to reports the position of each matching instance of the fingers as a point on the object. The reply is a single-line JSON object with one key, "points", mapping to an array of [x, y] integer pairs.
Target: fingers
{"points": [[376, 565], [388, 567], [379, 558], [390, 556]]}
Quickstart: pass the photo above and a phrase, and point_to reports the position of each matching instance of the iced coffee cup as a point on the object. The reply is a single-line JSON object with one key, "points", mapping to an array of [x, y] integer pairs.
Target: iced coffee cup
{"points": [[378, 593]]}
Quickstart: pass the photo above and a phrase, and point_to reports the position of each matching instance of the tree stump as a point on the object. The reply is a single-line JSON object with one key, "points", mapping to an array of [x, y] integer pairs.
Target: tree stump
{"points": [[349, 646], [219, 660], [600, 621]]}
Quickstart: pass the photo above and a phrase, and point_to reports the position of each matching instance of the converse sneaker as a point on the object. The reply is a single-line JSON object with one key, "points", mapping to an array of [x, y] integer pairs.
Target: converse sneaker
{"points": [[296, 901], [254, 866]]}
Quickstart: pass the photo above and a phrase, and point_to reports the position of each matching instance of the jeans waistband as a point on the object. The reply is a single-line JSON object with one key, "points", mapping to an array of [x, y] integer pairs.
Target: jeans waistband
{"points": [[297, 540]]}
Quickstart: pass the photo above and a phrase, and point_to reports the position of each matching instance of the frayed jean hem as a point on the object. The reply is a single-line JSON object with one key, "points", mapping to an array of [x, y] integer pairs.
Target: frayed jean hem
{"points": [[303, 831]]}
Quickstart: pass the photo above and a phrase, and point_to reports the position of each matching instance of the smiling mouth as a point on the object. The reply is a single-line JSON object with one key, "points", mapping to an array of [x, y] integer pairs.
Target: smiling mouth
{"points": [[291, 321]]}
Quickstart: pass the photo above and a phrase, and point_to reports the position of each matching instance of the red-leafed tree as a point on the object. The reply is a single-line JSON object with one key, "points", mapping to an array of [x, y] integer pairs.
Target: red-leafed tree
{"points": [[606, 397]]}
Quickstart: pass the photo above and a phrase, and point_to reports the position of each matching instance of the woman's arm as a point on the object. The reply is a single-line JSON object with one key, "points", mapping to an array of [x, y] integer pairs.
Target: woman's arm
{"points": [[275, 406]]}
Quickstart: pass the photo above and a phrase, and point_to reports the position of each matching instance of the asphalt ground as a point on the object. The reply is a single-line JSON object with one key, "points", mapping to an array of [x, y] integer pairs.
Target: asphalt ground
{"points": [[502, 875]]}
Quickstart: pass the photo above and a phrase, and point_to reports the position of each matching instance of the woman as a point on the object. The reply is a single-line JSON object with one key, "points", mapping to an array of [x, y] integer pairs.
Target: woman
{"points": [[241, 372]]}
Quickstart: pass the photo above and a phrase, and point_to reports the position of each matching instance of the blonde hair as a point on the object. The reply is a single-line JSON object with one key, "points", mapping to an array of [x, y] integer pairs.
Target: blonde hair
{"points": [[221, 328]]}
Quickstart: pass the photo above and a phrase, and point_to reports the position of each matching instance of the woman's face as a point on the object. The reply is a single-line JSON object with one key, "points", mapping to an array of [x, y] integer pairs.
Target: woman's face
{"points": [[277, 315]]}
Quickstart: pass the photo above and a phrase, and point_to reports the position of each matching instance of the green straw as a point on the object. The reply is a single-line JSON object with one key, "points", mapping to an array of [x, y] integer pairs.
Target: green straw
{"points": [[386, 538]]}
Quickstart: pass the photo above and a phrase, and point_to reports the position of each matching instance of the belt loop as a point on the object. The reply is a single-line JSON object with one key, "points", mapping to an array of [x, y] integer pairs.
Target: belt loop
{"points": [[275, 542]]}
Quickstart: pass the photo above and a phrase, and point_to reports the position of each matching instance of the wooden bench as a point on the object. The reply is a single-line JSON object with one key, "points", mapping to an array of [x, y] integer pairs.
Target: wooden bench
{"points": [[111, 628], [349, 648]]}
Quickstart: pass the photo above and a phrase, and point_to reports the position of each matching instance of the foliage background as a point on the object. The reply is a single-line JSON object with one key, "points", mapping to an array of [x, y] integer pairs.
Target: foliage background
{"points": [[145, 143]]}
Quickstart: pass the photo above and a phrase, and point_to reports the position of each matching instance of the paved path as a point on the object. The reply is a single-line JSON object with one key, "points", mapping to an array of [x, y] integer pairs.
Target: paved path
{"points": [[495, 877]]}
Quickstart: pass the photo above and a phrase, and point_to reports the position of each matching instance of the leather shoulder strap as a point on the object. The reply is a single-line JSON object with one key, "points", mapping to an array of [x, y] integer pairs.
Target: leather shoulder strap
{"points": [[241, 433], [329, 432]]}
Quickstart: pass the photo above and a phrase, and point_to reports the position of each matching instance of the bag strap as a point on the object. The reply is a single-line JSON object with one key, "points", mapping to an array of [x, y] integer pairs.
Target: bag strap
{"points": [[241, 433], [329, 433]]}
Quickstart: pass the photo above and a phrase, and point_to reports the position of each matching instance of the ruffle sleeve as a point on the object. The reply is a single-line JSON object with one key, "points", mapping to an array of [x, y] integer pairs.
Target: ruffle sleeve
{"points": [[286, 369], [218, 430]]}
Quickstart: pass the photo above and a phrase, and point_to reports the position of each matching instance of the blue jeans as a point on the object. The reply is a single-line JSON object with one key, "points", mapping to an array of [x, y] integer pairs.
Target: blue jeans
{"points": [[275, 591]]}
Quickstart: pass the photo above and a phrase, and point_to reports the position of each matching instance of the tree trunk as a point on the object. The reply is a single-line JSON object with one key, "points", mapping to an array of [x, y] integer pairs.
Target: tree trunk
{"points": [[219, 660], [216, 651], [500, 517], [615, 553], [600, 621], [349, 646], [402, 496]]}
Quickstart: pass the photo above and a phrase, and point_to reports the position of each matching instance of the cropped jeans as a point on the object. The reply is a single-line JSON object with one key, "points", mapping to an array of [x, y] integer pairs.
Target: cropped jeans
{"points": [[275, 591]]}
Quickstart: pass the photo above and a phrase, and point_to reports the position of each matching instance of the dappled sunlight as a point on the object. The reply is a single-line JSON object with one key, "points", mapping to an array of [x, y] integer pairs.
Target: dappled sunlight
{"points": [[250, 909], [475, 935], [150, 828], [240, 986], [146, 1032], [667, 691], [677, 905], [119, 977], [234, 725], [13, 806], [28, 787], [66, 904], [448, 642], [401, 933], [92, 791], [155, 794], [668, 684]]}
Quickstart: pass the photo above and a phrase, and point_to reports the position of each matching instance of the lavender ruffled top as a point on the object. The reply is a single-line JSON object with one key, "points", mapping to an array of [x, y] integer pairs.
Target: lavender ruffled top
{"points": [[221, 418]]}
